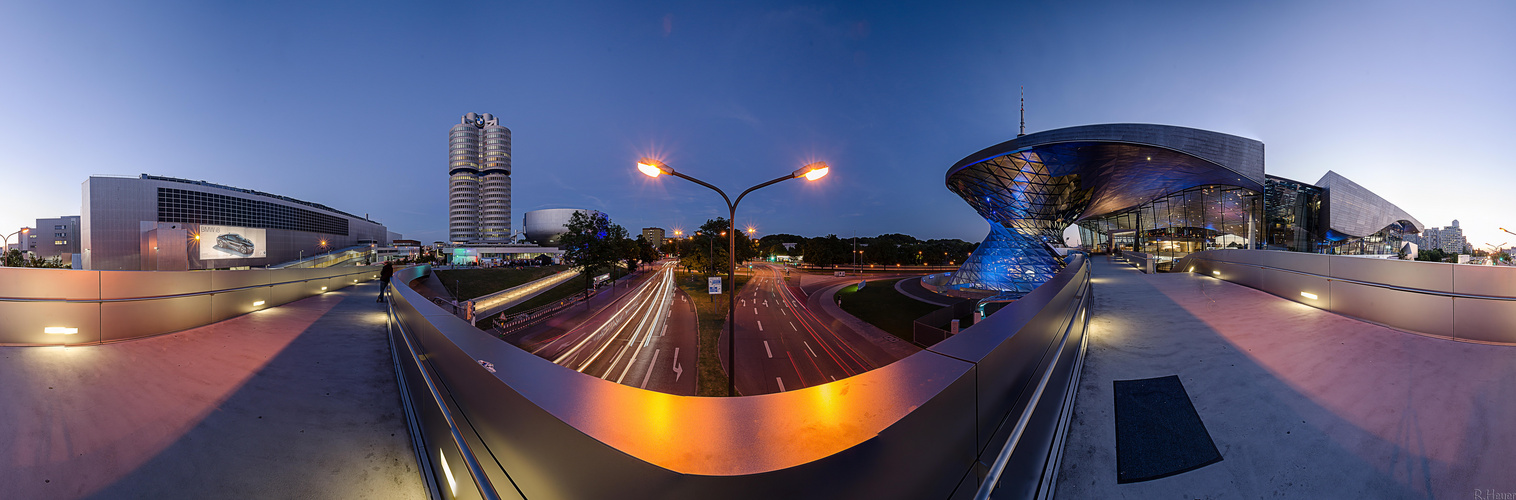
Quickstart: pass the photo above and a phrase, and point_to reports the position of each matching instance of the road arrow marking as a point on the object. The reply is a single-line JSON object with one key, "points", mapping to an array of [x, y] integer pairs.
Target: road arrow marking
{"points": [[678, 370]]}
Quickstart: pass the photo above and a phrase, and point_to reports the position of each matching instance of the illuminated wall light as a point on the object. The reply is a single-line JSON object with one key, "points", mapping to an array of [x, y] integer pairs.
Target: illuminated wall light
{"points": [[1308, 295], [257, 303], [323, 289], [451, 483], [1217, 273], [60, 330]]}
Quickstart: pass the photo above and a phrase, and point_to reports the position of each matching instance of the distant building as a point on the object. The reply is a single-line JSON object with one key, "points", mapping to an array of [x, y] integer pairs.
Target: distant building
{"points": [[546, 227], [1451, 239], [653, 235], [479, 185], [56, 238], [157, 223], [1430, 239]]}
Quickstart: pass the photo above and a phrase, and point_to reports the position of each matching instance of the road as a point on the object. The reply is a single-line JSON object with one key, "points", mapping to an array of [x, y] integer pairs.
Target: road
{"points": [[783, 345], [644, 338]]}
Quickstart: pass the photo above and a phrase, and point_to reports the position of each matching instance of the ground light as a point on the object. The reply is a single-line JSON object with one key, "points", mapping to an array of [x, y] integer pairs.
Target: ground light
{"points": [[1308, 295], [653, 168]]}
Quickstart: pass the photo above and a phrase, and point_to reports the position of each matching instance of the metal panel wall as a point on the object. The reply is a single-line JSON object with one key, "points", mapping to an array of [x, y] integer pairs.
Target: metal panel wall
{"points": [[910, 429], [116, 305], [1457, 301]]}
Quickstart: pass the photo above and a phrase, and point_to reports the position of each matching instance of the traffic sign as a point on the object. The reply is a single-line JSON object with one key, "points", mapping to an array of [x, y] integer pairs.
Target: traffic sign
{"points": [[713, 285]]}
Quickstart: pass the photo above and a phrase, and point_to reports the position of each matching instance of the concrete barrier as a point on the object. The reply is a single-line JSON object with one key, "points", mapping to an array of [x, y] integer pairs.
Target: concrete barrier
{"points": [[1454, 301]]}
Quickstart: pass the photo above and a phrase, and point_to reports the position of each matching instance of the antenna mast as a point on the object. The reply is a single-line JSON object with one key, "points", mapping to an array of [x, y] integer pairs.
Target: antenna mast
{"points": [[1023, 111]]}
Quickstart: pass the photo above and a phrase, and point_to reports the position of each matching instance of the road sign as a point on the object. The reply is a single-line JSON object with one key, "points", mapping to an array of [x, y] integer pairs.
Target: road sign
{"points": [[839, 274], [713, 285]]}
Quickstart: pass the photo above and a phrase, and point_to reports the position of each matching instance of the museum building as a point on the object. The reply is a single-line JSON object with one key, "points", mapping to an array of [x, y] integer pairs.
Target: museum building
{"points": [[1160, 190]]}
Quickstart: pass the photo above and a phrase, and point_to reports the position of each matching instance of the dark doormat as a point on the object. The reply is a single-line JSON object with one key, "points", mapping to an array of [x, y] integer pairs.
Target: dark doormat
{"points": [[1158, 433]]}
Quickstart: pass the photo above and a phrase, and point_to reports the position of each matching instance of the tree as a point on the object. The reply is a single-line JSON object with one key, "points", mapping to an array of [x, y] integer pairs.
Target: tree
{"points": [[592, 243]]}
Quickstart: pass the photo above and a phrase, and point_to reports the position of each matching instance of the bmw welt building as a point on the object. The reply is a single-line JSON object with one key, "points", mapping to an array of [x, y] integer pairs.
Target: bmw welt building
{"points": [[153, 223], [1158, 190]]}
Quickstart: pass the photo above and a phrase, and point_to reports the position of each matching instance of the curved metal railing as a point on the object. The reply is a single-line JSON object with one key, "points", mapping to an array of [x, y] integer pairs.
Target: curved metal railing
{"points": [[63, 306], [1455, 301], [931, 425]]}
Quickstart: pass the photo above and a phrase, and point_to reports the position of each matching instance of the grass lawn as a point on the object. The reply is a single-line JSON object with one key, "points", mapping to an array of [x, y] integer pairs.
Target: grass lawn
{"points": [[477, 283], [564, 289], [712, 381], [881, 305]]}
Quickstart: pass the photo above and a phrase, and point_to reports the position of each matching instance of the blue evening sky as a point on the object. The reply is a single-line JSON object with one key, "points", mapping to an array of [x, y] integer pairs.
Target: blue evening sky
{"points": [[349, 104]]}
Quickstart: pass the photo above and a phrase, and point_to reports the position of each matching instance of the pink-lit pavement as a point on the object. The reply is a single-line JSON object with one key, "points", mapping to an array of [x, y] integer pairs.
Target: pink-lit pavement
{"points": [[295, 401], [1302, 403]]}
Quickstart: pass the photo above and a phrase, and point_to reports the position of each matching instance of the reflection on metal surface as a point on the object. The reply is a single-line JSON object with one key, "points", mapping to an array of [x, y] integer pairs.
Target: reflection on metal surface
{"points": [[1455, 301], [60, 330], [911, 429], [1031, 188]]}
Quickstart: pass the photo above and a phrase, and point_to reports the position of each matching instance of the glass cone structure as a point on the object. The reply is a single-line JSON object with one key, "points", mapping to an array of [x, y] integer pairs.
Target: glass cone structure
{"points": [[1160, 190], [1033, 187]]}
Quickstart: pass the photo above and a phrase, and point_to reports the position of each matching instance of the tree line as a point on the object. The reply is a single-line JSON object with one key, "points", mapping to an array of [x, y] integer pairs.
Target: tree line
{"points": [[706, 249], [595, 243]]}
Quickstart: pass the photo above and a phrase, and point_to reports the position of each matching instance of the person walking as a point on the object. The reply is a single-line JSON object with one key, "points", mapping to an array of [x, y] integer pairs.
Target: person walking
{"points": [[384, 279]]}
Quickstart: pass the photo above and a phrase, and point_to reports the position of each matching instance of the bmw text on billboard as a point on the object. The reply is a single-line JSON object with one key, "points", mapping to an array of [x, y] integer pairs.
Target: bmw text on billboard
{"points": [[227, 242]]}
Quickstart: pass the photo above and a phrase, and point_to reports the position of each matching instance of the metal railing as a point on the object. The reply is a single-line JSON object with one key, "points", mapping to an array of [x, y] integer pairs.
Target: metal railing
{"points": [[930, 425], [400, 338], [1455, 301], [71, 307]]}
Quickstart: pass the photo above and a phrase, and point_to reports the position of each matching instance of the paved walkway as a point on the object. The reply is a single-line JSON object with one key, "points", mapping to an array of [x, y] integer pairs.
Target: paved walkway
{"points": [[296, 401], [1302, 403]]}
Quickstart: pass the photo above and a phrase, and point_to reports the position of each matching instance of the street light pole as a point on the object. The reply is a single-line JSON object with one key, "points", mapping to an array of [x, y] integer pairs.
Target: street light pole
{"points": [[7, 242], [811, 172]]}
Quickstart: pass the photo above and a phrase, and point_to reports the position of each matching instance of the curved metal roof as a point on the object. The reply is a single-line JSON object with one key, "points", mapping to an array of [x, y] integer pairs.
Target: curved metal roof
{"points": [[1094, 170], [1355, 211]]}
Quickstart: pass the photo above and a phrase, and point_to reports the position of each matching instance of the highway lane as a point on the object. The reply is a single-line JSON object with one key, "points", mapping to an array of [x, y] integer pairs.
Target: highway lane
{"points": [[644, 339], [782, 346]]}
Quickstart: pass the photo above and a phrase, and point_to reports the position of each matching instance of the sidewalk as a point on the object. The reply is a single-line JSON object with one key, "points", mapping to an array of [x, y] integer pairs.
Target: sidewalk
{"points": [[295, 401], [1302, 403]]}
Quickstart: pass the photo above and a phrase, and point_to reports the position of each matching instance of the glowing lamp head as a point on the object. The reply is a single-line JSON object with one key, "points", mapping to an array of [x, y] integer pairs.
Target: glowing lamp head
{"points": [[652, 168], [813, 171]]}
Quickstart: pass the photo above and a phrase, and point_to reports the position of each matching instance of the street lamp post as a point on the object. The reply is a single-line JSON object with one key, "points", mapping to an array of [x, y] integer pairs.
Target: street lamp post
{"points": [[7, 242], [811, 172]]}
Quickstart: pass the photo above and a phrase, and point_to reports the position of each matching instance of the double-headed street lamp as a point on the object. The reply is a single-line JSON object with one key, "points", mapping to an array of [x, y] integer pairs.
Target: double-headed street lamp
{"points": [[811, 172]]}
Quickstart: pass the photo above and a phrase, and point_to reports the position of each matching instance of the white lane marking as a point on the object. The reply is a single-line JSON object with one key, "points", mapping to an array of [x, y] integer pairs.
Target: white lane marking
{"points": [[834, 378], [664, 331], [650, 368], [766, 348], [755, 311], [760, 326], [808, 348], [792, 326], [782, 310], [781, 383]]}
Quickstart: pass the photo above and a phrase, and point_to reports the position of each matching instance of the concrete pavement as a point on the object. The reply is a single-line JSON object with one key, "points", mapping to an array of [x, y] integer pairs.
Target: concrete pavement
{"points": [[295, 401], [1302, 403]]}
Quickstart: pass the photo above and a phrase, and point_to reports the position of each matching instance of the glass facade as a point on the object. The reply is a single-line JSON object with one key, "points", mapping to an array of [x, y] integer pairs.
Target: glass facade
{"points": [[1155, 189], [1294, 211], [1173, 226]]}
